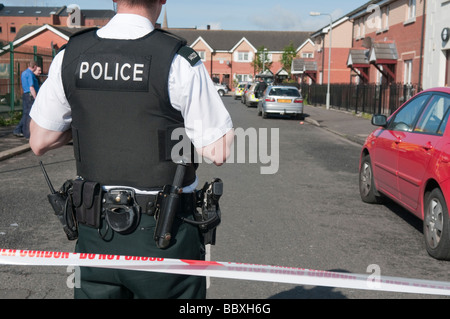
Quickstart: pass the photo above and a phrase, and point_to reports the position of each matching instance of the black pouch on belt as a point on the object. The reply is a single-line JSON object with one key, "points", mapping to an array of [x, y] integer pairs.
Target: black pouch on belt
{"points": [[122, 212], [87, 200]]}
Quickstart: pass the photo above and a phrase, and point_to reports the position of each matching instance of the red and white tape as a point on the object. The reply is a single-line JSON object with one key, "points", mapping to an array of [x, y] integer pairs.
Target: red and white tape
{"points": [[230, 270]]}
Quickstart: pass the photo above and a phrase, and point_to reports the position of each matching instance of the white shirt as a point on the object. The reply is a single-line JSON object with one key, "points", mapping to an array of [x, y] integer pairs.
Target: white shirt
{"points": [[191, 89]]}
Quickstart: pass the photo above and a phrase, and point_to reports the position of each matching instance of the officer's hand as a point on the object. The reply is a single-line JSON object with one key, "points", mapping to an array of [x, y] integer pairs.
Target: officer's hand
{"points": [[218, 151]]}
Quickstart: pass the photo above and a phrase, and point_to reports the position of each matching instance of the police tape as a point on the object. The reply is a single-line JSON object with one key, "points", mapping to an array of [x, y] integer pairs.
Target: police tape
{"points": [[229, 270]]}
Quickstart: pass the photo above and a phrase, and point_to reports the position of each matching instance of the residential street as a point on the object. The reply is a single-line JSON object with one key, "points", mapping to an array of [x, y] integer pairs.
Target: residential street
{"points": [[306, 215]]}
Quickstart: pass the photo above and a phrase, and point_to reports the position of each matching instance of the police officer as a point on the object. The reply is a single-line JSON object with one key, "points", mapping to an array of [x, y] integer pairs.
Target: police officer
{"points": [[119, 92]]}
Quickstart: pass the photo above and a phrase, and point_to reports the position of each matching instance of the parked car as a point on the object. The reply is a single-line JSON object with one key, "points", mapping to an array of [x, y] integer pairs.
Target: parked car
{"points": [[239, 90], [408, 160], [281, 100], [244, 94], [250, 98], [222, 89]]}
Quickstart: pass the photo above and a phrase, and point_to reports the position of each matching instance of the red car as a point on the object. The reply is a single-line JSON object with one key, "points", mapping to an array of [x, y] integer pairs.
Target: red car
{"points": [[408, 160]]}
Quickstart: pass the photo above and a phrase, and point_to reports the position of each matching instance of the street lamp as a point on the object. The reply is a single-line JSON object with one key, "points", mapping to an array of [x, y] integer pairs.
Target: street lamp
{"points": [[329, 51]]}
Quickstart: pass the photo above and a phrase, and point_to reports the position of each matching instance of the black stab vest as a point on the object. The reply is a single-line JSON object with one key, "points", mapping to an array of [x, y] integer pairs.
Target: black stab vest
{"points": [[122, 118]]}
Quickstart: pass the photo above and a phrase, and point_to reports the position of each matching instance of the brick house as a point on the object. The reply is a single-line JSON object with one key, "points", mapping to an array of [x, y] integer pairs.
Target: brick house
{"points": [[388, 41], [316, 67], [12, 19], [228, 55]]}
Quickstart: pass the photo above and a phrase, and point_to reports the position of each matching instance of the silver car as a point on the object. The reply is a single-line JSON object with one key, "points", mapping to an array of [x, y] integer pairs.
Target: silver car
{"points": [[222, 89], [281, 100], [250, 99]]}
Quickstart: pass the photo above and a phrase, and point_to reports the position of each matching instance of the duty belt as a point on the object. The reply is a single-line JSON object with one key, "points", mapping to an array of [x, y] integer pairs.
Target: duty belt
{"points": [[147, 203], [120, 206]]}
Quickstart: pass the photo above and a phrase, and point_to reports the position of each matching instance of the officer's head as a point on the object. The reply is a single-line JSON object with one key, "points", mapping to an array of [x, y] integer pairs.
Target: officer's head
{"points": [[139, 3], [149, 8]]}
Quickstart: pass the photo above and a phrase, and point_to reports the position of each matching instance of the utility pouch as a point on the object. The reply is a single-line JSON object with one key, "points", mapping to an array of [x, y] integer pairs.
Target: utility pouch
{"points": [[121, 210], [87, 201]]}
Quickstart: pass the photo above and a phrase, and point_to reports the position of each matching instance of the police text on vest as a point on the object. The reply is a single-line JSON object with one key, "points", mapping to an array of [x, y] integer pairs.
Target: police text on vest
{"points": [[113, 72]]}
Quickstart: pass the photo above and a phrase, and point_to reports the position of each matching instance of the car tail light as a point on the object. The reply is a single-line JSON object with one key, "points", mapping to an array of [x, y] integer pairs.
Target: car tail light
{"points": [[298, 101], [270, 99]]}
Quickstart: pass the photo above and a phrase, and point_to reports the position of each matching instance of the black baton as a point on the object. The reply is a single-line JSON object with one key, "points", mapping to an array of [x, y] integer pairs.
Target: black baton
{"points": [[170, 203]]}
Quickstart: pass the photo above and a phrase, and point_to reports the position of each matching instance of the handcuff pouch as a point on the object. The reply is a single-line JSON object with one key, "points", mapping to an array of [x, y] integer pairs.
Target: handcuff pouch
{"points": [[121, 210]]}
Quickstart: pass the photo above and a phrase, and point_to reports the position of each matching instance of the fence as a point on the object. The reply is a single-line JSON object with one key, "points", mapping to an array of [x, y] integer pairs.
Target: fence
{"points": [[366, 98], [12, 63]]}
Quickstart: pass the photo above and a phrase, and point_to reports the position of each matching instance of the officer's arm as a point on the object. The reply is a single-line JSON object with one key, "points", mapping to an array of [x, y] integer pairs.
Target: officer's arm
{"points": [[43, 140], [218, 151]]}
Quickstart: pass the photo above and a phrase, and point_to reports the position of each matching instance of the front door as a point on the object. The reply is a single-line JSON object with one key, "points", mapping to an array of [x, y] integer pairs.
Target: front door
{"points": [[418, 147]]}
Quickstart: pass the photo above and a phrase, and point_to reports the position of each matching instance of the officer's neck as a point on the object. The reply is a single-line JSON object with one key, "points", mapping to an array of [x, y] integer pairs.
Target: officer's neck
{"points": [[151, 14]]}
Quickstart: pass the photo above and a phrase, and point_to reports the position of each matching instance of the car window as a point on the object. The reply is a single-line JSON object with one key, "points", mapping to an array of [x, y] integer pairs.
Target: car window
{"points": [[435, 117], [406, 117], [284, 92]]}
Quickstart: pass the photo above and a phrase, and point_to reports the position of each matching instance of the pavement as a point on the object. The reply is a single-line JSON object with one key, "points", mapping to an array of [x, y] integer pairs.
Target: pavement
{"points": [[348, 125]]}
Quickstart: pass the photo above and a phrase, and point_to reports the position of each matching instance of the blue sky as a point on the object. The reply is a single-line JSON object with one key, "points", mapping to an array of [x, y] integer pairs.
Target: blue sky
{"points": [[289, 15]]}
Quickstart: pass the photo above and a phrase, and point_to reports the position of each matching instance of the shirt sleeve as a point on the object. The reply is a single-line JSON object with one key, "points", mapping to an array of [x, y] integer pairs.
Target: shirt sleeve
{"points": [[192, 92], [51, 110]]}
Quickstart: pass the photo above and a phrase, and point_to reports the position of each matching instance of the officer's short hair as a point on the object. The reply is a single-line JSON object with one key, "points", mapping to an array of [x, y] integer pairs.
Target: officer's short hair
{"points": [[32, 64], [133, 3]]}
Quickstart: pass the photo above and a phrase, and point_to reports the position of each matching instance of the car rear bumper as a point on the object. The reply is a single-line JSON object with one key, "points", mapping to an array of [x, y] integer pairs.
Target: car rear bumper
{"points": [[283, 109]]}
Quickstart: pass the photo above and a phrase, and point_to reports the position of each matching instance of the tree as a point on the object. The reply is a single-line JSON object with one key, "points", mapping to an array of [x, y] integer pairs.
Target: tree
{"points": [[262, 60], [289, 55]]}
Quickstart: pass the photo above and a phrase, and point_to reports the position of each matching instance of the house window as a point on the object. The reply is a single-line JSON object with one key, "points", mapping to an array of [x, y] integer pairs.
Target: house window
{"points": [[244, 77], [307, 55], [408, 72], [411, 10], [266, 57], [12, 29], [386, 18], [243, 56], [202, 55], [363, 27], [358, 30]]}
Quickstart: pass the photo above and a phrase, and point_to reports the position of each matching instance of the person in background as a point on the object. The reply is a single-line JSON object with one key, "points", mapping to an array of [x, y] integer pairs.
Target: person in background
{"points": [[30, 86]]}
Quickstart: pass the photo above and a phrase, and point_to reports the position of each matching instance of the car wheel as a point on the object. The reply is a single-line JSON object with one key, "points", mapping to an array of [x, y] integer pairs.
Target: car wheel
{"points": [[435, 225], [367, 189], [221, 92]]}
